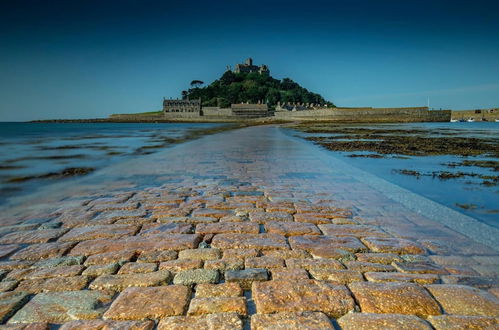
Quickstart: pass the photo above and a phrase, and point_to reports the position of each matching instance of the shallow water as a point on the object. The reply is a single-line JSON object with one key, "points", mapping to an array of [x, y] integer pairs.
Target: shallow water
{"points": [[482, 200], [286, 168], [35, 149]]}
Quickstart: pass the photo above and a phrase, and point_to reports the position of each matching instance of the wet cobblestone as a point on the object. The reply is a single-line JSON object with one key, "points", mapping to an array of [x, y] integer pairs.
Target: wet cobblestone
{"points": [[279, 241]]}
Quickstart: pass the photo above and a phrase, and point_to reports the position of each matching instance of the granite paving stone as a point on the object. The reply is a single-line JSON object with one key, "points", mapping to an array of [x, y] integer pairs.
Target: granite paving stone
{"points": [[161, 302], [72, 283], [122, 281], [401, 277], [95, 232], [352, 230], [419, 268], [8, 285], [264, 262], [120, 257], [250, 241], [224, 264], [58, 307], [219, 321], [465, 300], [5, 250], [336, 276], [246, 277], [240, 253], [42, 251], [157, 256], [10, 302], [289, 274], [312, 243], [32, 236], [394, 298], [291, 321], [168, 228], [313, 263], [393, 245], [180, 265], [379, 258], [138, 267], [266, 217], [228, 227], [307, 295], [108, 325], [357, 321], [363, 266], [206, 290], [201, 306], [200, 254], [292, 228], [195, 276], [463, 322]]}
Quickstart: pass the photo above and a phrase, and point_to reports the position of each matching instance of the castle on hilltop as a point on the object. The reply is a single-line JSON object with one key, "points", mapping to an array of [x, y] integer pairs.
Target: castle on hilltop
{"points": [[248, 67]]}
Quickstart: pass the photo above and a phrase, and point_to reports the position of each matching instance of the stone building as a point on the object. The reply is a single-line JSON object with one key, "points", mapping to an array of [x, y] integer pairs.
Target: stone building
{"points": [[179, 105], [246, 110], [248, 67]]}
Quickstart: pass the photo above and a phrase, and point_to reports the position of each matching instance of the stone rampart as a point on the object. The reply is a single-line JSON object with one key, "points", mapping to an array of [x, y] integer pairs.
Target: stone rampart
{"points": [[216, 112], [413, 114]]}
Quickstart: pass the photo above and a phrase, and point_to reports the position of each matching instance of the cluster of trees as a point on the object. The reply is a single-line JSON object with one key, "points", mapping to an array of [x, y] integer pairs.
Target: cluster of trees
{"points": [[250, 87]]}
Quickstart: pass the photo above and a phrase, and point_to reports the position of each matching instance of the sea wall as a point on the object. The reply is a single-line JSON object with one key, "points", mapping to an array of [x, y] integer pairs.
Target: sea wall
{"points": [[216, 112], [413, 114]]}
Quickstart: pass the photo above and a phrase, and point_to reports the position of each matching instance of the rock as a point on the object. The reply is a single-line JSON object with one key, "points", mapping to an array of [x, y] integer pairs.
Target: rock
{"points": [[264, 262], [289, 274], [335, 276], [290, 321], [249, 241], [108, 325], [479, 282], [402, 277], [379, 258], [161, 302], [73, 283], [352, 230], [357, 321], [138, 267], [312, 243], [32, 236], [368, 267], [98, 270], [265, 217], [212, 213], [10, 302], [314, 263], [58, 307], [120, 282], [287, 254], [201, 306], [195, 276], [180, 265], [228, 227], [224, 264], [246, 277], [200, 254], [301, 296], [95, 232], [168, 228], [419, 268], [221, 321], [157, 256], [62, 261], [292, 228], [464, 300], [461, 322], [61, 271], [5, 250], [394, 298], [241, 253], [42, 251], [119, 257], [206, 290], [8, 285], [393, 245], [138, 243]]}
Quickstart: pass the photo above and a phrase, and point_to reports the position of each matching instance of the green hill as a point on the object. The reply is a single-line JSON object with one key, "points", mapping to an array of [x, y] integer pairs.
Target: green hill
{"points": [[251, 87]]}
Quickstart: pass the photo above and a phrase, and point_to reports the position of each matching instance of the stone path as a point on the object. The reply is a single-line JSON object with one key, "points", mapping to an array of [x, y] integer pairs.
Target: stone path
{"points": [[250, 228]]}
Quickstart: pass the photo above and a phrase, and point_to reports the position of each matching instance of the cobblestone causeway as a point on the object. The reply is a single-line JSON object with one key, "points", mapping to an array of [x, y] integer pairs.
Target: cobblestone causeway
{"points": [[251, 228]]}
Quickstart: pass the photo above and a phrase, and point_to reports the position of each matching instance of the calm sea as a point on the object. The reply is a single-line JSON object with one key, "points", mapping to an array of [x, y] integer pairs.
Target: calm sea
{"points": [[466, 194], [33, 154]]}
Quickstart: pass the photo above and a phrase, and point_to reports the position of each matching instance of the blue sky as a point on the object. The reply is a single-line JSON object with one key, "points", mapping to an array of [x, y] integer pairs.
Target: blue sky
{"points": [[88, 58]]}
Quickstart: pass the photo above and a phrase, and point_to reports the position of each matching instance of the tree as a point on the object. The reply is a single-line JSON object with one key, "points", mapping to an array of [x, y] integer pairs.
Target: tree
{"points": [[196, 83], [184, 95]]}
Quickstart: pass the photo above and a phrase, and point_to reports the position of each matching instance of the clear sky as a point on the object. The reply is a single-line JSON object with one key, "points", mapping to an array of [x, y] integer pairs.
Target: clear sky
{"points": [[91, 58]]}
